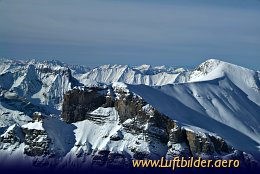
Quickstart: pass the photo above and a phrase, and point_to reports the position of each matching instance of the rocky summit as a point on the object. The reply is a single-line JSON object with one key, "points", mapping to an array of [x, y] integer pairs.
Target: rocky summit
{"points": [[54, 114]]}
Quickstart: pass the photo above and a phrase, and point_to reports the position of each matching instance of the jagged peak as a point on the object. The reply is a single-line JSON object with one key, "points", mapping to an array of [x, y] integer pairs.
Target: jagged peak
{"points": [[55, 62]]}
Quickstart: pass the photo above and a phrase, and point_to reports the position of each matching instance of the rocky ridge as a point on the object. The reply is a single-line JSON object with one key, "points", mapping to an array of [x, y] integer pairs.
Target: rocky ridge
{"points": [[106, 125]]}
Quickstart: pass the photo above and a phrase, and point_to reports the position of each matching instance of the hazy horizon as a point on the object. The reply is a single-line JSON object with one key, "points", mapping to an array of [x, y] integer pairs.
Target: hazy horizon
{"points": [[178, 33]]}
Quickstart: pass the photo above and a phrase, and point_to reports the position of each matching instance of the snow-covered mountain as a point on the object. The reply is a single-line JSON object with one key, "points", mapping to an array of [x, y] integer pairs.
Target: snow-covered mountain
{"points": [[144, 74], [119, 112], [216, 93], [43, 83]]}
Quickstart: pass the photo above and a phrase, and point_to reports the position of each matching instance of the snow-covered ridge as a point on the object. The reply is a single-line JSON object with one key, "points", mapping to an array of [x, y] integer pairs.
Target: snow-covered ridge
{"points": [[245, 79], [215, 90], [144, 74], [43, 83], [216, 97]]}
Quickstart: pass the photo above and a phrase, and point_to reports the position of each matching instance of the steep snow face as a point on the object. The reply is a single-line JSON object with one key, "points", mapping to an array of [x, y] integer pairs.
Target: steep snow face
{"points": [[144, 74], [43, 83], [216, 96], [15, 109], [76, 144], [91, 136], [10, 116], [247, 80], [217, 105], [97, 136]]}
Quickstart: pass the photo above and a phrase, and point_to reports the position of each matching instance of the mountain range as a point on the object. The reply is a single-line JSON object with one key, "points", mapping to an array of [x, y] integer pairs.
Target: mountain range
{"points": [[55, 114]]}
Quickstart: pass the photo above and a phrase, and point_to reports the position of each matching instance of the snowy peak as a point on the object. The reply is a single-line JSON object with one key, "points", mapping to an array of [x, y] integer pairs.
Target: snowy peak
{"points": [[208, 66], [144, 74], [42, 83], [245, 79], [118, 112], [213, 68]]}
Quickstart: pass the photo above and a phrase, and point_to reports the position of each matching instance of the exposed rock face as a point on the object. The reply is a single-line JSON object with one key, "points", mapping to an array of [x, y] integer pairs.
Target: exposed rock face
{"points": [[138, 117], [129, 106], [38, 116], [110, 160], [206, 144], [132, 107], [176, 135], [12, 136], [117, 136], [135, 117], [78, 103], [117, 161], [219, 144], [36, 139], [100, 158], [36, 142]]}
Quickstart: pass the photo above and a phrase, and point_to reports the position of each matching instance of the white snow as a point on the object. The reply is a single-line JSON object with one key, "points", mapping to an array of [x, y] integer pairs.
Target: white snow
{"points": [[144, 74], [216, 97], [216, 106], [106, 112], [148, 109], [33, 125], [10, 116], [247, 80], [120, 86], [10, 95], [6, 134]]}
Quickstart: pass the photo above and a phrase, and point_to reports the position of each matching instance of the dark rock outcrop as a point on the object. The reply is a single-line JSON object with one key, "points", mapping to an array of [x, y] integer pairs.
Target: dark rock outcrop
{"points": [[132, 107], [219, 144], [110, 159], [117, 161], [78, 103], [117, 136], [13, 135], [38, 116], [36, 141], [139, 118], [129, 107], [100, 158], [206, 144]]}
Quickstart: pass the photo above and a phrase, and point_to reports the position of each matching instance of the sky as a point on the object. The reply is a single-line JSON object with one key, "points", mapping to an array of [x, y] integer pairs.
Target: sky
{"points": [[156, 32]]}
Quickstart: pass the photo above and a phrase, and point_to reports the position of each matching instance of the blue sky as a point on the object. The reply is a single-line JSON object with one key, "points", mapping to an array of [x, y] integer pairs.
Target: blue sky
{"points": [[165, 32]]}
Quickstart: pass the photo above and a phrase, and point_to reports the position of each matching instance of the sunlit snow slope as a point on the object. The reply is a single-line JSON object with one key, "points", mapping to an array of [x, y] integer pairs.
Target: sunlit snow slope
{"points": [[219, 97]]}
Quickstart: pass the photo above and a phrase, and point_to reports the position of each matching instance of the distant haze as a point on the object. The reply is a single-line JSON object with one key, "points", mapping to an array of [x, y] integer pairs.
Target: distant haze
{"points": [[165, 32]]}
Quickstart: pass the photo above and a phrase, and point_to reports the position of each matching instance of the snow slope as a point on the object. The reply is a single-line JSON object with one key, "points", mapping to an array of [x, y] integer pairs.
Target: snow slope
{"points": [[42, 83], [217, 96], [245, 79], [144, 74], [217, 106]]}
